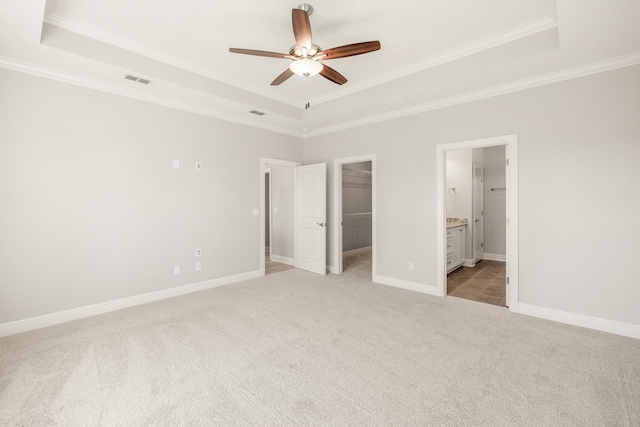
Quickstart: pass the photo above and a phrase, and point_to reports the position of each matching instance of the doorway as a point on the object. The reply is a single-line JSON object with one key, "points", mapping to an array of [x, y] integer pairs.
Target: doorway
{"points": [[277, 212], [477, 220], [355, 215]]}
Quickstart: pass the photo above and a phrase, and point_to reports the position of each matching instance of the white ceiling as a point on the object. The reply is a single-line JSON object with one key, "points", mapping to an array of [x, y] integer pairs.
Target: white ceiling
{"points": [[431, 51]]}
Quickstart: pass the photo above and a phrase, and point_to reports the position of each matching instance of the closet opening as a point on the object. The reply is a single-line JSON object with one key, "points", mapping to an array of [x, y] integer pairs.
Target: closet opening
{"points": [[354, 248]]}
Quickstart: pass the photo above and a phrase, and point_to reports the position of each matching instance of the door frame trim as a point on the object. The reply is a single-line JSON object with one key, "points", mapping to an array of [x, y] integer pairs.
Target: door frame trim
{"points": [[474, 236], [267, 171], [263, 168], [337, 210], [511, 152]]}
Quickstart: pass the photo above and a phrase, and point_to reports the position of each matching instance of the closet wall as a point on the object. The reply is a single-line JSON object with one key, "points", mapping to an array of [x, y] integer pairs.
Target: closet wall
{"points": [[495, 207]]}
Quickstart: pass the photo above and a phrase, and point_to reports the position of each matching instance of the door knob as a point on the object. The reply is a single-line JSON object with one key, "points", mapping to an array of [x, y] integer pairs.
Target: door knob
{"points": [[321, 224]]}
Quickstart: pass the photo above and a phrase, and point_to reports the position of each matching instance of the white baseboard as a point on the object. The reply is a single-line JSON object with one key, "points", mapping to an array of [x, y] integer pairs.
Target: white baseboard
{"points": [[405, 284], [495, 257], [106, 307], [282, 259], [469, 263], [599, 324]]}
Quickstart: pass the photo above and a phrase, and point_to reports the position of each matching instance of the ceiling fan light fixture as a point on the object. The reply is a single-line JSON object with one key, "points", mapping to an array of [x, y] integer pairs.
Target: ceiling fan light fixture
{"points": [[306, 67]]}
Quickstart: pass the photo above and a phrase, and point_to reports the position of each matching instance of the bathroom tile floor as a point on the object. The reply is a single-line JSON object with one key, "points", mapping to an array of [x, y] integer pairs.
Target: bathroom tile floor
{"points": [[486, 282]]}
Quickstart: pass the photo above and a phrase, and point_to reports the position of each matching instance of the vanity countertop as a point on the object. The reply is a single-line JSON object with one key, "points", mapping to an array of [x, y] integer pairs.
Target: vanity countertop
{"points": [[456, 222]]}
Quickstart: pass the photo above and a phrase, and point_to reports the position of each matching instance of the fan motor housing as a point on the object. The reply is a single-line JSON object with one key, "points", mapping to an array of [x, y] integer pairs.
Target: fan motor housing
{"points": [[295, 50]]}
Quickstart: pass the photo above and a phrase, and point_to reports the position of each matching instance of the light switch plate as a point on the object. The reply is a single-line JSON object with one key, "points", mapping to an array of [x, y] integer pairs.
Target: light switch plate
{"points": [[256, 212], [198, 266], [176, 164], [275, 210], [198, 252], [176, 270]]}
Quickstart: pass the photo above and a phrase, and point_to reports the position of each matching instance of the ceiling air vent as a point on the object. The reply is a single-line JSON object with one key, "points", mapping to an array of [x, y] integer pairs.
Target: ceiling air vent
{"points": [[137, 79], [257, 113], [398, 103]]}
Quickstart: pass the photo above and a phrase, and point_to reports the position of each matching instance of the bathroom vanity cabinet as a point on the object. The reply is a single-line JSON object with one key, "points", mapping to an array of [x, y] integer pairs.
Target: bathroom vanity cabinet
{"points": [[455, 247]]}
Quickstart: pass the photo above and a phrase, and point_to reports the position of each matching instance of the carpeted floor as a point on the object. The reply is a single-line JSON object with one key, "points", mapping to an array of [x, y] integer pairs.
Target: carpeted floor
{"points": [[298, 349]]}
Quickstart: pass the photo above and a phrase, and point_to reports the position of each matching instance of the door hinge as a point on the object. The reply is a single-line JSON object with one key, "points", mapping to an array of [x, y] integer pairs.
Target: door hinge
{"points": [[482, 245], [507, 162], [507, 280]]}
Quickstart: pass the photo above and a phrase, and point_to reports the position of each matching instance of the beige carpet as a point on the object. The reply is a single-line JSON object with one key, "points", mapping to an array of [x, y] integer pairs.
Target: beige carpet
{"points": [[298, 349]]}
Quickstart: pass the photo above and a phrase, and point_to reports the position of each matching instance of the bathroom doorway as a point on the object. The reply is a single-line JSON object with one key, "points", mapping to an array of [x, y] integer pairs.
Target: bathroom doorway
{"points": [[478, 209]]}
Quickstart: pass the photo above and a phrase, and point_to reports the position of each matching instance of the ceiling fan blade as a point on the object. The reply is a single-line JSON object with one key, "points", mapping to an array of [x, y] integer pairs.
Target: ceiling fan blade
{"points": [[282, 77], [257, 53], [349, 50], [301, 28], [331, 74]]}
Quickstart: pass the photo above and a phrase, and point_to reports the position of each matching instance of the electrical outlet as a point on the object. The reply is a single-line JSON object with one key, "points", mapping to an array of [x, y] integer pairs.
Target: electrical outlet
{"points": [[198, 166], [176, 270], [410, 266], [198, 266], [275, 210], [198, 252], [256, 212], [176, 164]]}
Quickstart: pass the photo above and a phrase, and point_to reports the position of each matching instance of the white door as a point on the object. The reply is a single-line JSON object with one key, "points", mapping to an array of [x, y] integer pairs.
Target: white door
{"points": [[310, 249], [478, 213]]}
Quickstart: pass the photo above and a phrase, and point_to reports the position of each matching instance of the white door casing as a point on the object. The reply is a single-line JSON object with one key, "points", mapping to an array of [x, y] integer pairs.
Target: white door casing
{"points": [[512, 255], [478, 213], [310, 248]]}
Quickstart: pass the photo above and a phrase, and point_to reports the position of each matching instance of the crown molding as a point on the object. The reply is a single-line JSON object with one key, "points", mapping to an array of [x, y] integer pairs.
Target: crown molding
{"points": [[557, 76], [495, 40], [74, 79], [528, 83], [102, 36]]}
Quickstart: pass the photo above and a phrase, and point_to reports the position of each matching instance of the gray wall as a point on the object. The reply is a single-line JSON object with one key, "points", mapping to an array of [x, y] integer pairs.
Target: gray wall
{"points": [[495, 213], [282, 233], [92, 209], [579, 143]]}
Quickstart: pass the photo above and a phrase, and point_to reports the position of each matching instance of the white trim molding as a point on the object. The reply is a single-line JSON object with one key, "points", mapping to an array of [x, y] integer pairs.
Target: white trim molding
{"points": [[469, 263], [596, 323], [77, 80], [99, 35], [542, 24], [406, 284], [495, 257], [33, 323], [503, 89]]}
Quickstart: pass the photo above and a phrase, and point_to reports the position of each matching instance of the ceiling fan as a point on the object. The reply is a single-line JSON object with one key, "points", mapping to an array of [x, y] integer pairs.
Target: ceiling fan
{"points": [[306, 56]]}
